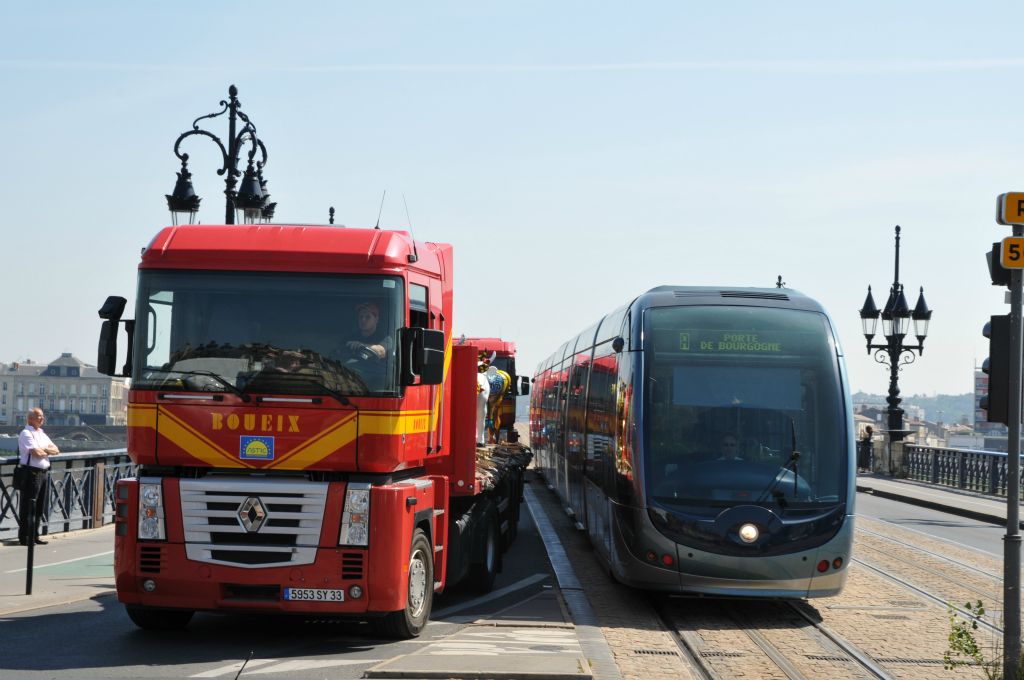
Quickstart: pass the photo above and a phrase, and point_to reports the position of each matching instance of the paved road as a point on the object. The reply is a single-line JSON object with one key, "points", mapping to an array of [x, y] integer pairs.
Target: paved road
{"points": [[93, 638]]}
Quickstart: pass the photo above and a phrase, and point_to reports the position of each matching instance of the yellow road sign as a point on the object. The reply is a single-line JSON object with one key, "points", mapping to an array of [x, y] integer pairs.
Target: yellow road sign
{"points": [[1010, 208], [1012, 256]]}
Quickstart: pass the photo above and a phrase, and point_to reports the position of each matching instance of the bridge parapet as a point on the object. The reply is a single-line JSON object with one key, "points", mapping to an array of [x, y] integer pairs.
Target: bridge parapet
{"points": [[80, 493]]}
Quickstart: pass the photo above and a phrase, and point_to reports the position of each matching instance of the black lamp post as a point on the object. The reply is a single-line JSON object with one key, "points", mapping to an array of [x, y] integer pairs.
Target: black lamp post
{"points": [[896, 317], [251, 201]]}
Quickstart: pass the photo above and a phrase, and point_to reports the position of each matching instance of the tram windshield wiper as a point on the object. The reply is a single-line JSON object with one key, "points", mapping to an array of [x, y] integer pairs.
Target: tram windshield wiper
{"points": [[793, 461]]}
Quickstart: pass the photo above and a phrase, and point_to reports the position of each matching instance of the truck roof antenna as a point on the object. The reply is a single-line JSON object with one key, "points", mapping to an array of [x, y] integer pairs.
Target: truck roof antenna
{"points": [[381, 208], [415, 256]]}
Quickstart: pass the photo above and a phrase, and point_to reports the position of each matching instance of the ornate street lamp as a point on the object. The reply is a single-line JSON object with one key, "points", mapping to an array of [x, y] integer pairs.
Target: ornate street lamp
{"points": [[896, 318], [250, 201]]}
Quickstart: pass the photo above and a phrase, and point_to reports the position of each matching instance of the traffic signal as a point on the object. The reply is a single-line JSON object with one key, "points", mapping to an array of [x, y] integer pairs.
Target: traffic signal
{"points": [[1000, 275], [997, 366]]}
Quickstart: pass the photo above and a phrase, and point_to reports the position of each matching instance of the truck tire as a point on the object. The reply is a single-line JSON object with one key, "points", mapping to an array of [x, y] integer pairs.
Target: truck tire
{"points": [[150, 618], [482, 573], [409, 622]]}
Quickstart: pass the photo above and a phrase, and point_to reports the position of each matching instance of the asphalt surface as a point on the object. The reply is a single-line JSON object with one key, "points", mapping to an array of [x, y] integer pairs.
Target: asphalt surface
{"points": [[537, 624]]}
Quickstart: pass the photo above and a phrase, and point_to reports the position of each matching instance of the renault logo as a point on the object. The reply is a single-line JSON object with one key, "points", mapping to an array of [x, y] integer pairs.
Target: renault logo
{"points": [[252, 514]]}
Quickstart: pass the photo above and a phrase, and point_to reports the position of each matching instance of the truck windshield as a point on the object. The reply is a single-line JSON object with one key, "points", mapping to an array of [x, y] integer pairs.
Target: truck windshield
{"points": [[732, 392], [267, 332]]}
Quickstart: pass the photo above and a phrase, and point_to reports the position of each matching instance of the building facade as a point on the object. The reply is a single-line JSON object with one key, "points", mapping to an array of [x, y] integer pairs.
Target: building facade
{"points": [[70, 391]]}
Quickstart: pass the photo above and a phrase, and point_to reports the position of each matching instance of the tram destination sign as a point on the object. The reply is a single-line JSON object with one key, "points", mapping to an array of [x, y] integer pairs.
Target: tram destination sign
{"points": [[1010, 209], [721, 342]]}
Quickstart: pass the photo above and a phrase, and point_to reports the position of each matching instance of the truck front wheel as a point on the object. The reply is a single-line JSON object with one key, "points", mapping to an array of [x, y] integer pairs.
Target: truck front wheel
{"points": [[150, 618], [409, 622]]}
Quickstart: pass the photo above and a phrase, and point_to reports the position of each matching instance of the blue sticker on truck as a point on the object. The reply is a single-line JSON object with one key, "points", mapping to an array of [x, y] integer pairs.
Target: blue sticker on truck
{"points": [[256, 448]]}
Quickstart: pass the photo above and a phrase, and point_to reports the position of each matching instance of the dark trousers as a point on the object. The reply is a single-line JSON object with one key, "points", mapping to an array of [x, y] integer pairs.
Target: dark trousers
{"points": [[35, 487]]}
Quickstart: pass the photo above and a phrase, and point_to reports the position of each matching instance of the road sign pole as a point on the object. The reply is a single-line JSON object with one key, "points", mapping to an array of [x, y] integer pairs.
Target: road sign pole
{"points": [[1012, 540]]}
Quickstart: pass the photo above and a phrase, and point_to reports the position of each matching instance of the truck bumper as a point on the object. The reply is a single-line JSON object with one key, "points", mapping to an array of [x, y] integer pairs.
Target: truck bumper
{"points": [[160, 575]]}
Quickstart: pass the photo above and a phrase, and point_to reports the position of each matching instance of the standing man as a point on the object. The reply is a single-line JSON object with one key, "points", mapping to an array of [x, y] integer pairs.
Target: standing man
{"points": [[35, 449]]}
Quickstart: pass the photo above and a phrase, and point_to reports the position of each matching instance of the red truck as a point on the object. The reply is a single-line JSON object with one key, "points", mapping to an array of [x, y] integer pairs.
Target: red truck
{"points": [[502, 355], [304, 429]]}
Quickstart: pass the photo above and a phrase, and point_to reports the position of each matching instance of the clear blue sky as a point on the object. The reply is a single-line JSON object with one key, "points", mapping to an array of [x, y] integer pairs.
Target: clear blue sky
{"points": [[575, 153]]}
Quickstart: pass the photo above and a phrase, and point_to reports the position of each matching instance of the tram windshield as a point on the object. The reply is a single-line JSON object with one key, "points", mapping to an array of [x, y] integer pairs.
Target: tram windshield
{"points": [[744, 407]]}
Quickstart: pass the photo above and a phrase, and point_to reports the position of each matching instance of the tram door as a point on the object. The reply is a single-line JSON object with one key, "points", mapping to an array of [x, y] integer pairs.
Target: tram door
{"points": [[575, 444], [560, 477]]}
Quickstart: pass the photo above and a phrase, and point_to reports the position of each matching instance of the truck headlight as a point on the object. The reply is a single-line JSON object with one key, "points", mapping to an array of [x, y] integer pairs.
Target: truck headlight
{"points": [[151, 510], [355, 520]]}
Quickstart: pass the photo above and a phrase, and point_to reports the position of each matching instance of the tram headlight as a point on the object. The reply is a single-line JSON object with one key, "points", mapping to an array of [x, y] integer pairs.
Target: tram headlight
{"points": [[749, 533]]}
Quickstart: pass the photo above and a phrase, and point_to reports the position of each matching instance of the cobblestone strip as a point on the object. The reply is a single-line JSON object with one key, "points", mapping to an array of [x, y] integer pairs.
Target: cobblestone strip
{"points": [[933, 575], [903, 632], [954, 551]]}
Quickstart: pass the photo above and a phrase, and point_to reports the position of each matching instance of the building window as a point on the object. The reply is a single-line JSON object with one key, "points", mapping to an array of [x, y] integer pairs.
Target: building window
{"points": [[5, 387], [74, 388], [63, 403], [31, 388], [104, 395], [53, 388], [21, 389], [63, 389], [92, 390], [21, 404], [72, 371], [93, 405]]}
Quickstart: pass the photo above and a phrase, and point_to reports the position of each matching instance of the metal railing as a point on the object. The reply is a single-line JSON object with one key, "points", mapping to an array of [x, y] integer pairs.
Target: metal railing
{"points": [[79, 495], [970, 469]]}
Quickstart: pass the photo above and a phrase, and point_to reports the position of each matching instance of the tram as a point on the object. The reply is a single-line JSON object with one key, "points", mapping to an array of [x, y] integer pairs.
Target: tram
{"points": [[703, 438]]}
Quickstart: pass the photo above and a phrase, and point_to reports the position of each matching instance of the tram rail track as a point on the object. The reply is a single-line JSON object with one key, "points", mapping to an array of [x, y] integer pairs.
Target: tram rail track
{"points": [[817, 643], [937, 599], [944, 558]]}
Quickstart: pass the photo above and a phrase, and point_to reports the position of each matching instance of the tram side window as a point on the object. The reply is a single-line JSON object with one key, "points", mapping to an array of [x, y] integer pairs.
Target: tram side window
{"points": [[600, 417], [576, 404]]}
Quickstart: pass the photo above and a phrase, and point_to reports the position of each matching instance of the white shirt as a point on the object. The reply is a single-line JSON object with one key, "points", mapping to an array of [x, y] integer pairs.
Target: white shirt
{"points": [[32, 438]]}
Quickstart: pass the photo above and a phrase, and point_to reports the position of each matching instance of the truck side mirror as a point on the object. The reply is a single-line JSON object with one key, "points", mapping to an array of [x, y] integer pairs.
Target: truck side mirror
{"points": [[421, 355], [431, 358], [107, 352], [524, 386], [106, 358]]}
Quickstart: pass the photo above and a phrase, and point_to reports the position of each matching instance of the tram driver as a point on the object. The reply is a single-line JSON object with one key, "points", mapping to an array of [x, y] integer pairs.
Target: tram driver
{"points": [[729, 448]]}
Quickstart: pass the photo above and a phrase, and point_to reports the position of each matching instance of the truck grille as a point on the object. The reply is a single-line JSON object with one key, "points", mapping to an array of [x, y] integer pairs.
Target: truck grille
{"points": [[246, 522]]}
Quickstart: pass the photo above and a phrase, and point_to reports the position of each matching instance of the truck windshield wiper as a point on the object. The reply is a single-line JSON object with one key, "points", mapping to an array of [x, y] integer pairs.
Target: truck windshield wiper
{"points": [[219, 378], [342, 399]]}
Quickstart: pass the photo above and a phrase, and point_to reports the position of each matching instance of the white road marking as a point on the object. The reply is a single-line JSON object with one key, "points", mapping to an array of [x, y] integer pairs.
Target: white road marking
{"points": [[518, 585], [310, 664], [232, 668], [54, 564], [278, 666]]}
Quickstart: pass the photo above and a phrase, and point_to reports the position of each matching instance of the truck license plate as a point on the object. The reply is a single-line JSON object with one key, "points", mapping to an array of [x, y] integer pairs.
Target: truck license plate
{"points": [[315, 594]]}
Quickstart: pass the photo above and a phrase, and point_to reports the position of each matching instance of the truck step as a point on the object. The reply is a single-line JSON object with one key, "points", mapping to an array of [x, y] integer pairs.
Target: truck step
{"points": [[438, 548], [579, 526], [438, 511]]}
